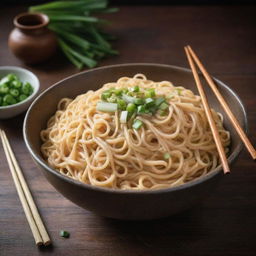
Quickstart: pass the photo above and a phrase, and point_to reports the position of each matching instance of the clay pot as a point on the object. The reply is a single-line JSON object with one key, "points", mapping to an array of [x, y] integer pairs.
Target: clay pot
{"points": [[31, 41]]}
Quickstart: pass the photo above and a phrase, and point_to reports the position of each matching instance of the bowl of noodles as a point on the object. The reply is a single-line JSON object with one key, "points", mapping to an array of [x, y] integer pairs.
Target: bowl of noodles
{"points": [[131, 141]]}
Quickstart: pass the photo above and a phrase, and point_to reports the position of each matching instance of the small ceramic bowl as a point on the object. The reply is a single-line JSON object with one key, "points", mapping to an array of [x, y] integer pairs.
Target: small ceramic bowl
{"points": [[24, 76]]}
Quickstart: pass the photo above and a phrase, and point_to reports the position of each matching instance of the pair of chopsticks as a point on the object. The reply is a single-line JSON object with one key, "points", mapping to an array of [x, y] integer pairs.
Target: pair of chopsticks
{"points": [[37, 227], [191, 59]]}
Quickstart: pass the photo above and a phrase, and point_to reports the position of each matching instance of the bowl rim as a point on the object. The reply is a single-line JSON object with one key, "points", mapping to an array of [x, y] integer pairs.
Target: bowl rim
{"points": [[189, 184], [35, 87]]}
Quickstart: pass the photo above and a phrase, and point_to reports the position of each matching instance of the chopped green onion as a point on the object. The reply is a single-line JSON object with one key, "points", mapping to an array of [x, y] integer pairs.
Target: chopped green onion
{"points": [[159, 101], [137, 124], [22, 97], [106, 107], [26, 88], [4, 80], [131, 107], [112, 99], [149, 102], [17, 84], [123, 117], [118, 92], [9, 99], [138, 101], [164, 106], [167, 156], [105, 95], [12, 77], [121, 104], [135, 88], [4, 89], [14, 92], [141, 109], [64, 233], [150, 93], [128, 99]]}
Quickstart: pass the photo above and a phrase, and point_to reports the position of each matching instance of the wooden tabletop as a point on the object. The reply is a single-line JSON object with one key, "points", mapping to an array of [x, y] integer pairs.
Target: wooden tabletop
{"points": [[225, 223]]}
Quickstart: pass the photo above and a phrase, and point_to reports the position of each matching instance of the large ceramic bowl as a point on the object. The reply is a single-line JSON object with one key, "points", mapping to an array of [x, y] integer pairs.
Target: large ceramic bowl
{"points": [[133, 205]]}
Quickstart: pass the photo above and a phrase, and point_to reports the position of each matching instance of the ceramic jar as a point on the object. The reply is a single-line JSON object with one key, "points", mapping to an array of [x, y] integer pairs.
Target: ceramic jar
{"points": [[31, 41]]}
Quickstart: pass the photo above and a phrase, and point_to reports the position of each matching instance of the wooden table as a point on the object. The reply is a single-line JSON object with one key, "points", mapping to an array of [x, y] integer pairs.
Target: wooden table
{"points": [[225, 223]]}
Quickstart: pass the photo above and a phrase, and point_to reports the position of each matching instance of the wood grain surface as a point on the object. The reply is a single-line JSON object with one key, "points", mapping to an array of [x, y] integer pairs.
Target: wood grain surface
{"points": [[225, 223]]}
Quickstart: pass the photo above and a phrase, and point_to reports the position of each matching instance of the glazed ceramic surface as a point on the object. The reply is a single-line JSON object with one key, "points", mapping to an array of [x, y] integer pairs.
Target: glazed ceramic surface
{"points": [[31, 41], [25, 76], [120, 204]]}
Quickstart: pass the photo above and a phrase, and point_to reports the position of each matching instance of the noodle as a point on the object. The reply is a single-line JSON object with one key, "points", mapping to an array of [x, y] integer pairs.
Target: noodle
{"points": [[95, 148]]}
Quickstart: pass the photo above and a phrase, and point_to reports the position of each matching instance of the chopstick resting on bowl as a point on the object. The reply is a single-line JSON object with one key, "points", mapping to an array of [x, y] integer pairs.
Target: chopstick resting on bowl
{"points": [[224, 104], [37, 227], [209, 116]]}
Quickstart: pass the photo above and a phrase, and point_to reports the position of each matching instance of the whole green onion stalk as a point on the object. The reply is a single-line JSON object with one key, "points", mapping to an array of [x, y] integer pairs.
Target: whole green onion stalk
{"points": [[79, 34]]}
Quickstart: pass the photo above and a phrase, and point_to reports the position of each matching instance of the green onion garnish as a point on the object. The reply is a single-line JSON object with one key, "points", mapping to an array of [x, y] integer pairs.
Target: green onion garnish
{"points": [[150, 93], [106, 107], [149, 102], [132, 102], [123, 117], [64, 233], [137, 124], [118, 92], [128, 98], [164, 106], [121, 104], [131, 107], [105, 95], [159, 101], [135, 89], [138, 101], [167, 156], [112, 99], [141, 109]]}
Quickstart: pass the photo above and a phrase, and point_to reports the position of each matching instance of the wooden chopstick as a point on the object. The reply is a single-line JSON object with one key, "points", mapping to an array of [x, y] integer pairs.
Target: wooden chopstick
{"points": [[224, 104], [208, 114], [37, 227]]}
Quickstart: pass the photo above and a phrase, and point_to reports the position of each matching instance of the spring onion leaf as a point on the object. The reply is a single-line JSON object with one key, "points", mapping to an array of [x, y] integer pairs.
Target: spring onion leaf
{"points": [[79, 32], [87, 61]]}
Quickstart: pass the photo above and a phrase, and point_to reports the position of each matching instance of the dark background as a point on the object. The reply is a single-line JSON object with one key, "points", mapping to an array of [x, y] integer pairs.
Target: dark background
{"points": [[222, 225], [146, 2]]}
